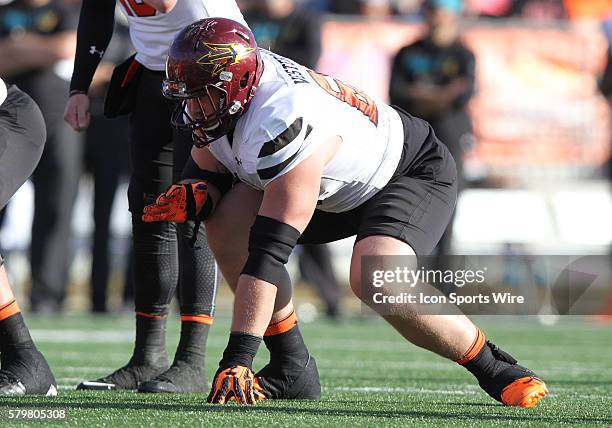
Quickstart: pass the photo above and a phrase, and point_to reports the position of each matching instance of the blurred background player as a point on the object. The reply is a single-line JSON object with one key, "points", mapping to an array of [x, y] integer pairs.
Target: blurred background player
{"points": [[36, 43], [433, 78], [23, 369], [164, 255], [107, 159], [286, 28]]}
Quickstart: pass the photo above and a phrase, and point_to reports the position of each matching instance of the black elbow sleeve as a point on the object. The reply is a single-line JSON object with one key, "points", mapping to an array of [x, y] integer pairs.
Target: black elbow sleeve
{"points": [[223, 182], [270, 245], [94, 33]]}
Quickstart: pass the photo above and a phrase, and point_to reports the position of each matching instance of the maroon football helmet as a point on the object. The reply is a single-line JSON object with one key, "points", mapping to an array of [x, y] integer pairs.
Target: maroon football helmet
{"points": [[213, 70]]}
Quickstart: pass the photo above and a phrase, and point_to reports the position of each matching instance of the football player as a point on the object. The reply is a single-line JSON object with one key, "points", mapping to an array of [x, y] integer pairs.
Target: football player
{"points": [[165, 255], [23, 369], [315, 160]]}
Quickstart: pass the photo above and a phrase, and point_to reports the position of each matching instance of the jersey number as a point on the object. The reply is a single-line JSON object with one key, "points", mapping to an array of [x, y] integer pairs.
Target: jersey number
{"points": [[352, 96], [138, 8]]}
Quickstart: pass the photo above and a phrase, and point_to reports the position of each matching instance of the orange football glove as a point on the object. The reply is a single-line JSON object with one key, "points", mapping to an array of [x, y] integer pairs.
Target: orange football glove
{"points": [[236, 383], [179, 203]]}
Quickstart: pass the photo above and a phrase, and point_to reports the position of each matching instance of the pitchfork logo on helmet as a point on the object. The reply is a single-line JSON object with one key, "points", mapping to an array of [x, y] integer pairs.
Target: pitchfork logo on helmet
{"points": [[222, 54], [213, 70]]}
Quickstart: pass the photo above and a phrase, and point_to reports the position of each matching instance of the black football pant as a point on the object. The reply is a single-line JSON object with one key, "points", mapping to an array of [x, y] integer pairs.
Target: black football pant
{"points": [[106, 154], [163, 256], [55, 182]]}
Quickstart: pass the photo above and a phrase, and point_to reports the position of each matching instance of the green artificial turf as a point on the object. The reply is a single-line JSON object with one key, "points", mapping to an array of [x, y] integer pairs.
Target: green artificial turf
{"points": [[370, 377]]}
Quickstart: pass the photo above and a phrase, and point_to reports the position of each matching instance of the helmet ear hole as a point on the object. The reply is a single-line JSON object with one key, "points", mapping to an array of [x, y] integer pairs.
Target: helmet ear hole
{"points": [[244, 81]]}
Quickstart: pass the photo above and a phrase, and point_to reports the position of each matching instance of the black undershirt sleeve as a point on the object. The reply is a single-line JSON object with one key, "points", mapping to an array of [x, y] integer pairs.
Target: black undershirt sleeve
{"points": [[94, 33], [222, 181]]}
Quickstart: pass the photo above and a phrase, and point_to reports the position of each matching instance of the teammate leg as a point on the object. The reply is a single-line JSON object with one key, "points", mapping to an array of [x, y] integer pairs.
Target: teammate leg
{"points": [[197, 288], [154, 244], [23, 369], [291, 372]]}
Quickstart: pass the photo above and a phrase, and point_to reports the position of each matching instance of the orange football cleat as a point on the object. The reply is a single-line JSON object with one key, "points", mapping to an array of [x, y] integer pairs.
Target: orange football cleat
{"points": [[500, 376], [524, 392]]}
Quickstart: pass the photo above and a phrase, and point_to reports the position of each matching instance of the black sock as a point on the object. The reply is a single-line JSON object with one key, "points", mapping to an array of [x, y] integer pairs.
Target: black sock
{"points": [[240, 350], [287, 350], [14, 334], [150, 347], [482, 364], [495, 369], [192, 346], [489, 362]]}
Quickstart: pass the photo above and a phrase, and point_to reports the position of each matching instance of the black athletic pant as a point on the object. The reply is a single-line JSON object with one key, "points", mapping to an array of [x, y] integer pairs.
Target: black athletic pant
{"points": [[56, 181], [162, 254], [452, 129], [106, 155], [316, 268], [22, 138]]}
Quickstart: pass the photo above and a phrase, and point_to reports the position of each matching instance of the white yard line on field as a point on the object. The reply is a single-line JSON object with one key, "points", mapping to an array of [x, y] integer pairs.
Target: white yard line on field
{"points": [[462, 390], [404, 390]]}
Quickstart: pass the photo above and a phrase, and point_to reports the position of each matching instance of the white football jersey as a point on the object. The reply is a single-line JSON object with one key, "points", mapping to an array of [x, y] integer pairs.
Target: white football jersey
{"points": [[293, 112], [152, 32], [2, 92]]}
